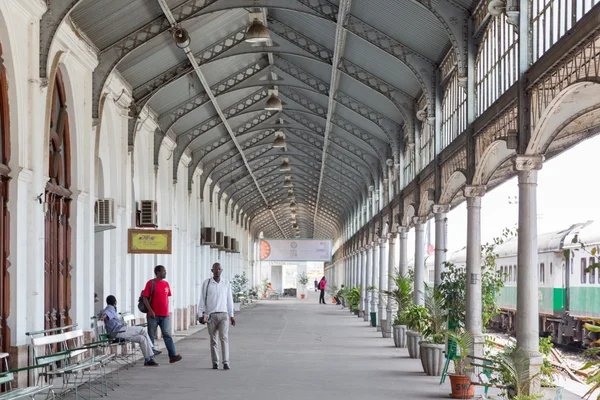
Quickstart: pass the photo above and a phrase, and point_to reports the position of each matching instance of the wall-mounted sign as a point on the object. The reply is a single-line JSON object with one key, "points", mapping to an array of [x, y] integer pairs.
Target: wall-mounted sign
{"points": [[295, 250], [146, 241]]}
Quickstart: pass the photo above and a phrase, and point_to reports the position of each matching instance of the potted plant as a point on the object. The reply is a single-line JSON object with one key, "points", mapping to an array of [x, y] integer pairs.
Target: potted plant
{"points": [[264, 287], [514, 374], [416, 320], [303, 280], [238, 289], [432, 348], [372, 290], [460, 381], [353, 298], [332, 291], [403, 294]]}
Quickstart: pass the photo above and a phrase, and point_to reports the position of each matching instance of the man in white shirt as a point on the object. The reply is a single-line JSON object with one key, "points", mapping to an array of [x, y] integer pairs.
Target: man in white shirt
{"points": [[215, 307]]}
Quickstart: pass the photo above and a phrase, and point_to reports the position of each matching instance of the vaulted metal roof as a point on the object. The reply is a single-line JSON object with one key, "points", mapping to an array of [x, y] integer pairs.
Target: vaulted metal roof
{"points": [[384, 55]]}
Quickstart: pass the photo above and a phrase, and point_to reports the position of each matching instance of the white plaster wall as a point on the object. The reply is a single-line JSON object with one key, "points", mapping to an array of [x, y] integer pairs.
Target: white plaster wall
{"points": [[128, 177]]}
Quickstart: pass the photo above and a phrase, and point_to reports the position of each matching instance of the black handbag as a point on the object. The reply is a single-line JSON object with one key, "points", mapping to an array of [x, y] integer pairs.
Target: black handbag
{"points": [[141, 304]]}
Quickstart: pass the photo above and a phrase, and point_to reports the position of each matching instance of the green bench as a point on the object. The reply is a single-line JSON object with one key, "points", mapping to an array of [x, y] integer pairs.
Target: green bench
{"points": [[63, 360]]}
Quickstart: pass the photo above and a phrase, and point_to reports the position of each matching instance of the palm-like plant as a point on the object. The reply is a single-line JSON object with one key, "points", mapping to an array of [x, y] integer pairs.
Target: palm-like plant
{"points": [[437, 320], [515, 373], [464, 342], [403, 294]]}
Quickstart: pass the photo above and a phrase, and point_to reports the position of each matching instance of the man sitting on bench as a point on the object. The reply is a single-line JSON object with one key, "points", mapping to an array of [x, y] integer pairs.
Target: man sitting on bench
{"points": [[135, 334]]}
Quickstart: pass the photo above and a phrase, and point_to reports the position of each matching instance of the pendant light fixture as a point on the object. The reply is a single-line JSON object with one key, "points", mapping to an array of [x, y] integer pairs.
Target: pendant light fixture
{"points": [[273, 103], [285, 166], [287, 182], [279, 142], [257, 32], [181, 37]]}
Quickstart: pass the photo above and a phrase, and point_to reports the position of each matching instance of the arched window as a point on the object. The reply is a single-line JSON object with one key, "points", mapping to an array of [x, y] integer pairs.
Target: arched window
{"points": [[4, 213], [57, 266], [496, 67]]}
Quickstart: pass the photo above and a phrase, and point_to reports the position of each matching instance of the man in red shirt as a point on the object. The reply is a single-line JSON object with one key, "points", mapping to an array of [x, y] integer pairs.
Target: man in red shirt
{"points": [[157, 304]]}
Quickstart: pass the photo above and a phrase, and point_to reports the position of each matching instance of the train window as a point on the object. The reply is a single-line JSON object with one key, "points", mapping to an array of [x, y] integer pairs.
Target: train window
{"points": [[583, 266], [515, 275], [593, 271], [550, 269], [542, 277], [510, 273]]}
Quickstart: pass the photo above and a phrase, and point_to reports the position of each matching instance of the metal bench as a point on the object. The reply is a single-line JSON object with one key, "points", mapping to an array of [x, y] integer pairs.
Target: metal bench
{"points": [[61, 353]]}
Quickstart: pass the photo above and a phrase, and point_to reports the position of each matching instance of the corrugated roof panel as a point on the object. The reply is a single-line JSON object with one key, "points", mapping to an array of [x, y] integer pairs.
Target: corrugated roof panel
{"points": [[220, 69], [311, 66], [386, 66], [229, 99], [317, 29], [194, 118], [406, 21], [369, 97], [176, 93], [360, 121], [211, 137], [107, 21]]}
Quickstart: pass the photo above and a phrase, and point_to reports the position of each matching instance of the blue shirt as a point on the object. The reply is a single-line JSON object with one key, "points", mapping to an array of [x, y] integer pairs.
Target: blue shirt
{"points": [[112, 322]]}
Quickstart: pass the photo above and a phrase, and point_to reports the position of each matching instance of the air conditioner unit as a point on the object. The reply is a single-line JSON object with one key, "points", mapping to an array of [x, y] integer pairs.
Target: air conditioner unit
{"points": [[208, 236], [104, 215], [219, 241], [227, 243], [148, 213]]}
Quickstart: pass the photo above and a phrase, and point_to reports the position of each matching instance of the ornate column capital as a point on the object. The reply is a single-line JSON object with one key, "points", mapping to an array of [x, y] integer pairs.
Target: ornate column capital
{"points": [[441, 208], [528, 163], [419, 220], [381, 241], [474, 191]]}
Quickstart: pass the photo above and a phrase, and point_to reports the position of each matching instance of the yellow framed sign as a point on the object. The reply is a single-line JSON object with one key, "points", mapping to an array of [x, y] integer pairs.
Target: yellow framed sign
{"points": [[142, 241]]}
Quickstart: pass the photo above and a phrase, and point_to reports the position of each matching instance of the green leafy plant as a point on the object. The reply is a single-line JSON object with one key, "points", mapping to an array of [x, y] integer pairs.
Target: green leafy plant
{"points": [[437, 317], [265, 286], [416, 317], [303, 279], [403, 295], [464, 342], [353, 297], [594, 376], [546, 345], [514, 373], [238, 286], [332, 290], [454, 280]]}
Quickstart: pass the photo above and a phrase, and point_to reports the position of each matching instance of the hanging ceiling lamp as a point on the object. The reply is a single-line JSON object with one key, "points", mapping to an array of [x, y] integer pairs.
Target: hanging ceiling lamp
{"points": [[257, 32], [279, 142], [293, 204], [181, 37], [290, 195], [273, 103], [285, 166]]}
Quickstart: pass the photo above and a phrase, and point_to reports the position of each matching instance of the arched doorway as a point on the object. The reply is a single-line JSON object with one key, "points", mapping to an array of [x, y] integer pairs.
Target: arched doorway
{"points": [[57, 268], [4, 214]]}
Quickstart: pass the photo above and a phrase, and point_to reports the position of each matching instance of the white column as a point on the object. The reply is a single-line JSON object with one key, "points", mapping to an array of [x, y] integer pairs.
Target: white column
{"points": [[354, 268], [441, 229], [369, 280], [374, 277], [419, 284], [527, 274], [382, 282], [473, 319], [403, 265], [363, 280], [391, 301]]}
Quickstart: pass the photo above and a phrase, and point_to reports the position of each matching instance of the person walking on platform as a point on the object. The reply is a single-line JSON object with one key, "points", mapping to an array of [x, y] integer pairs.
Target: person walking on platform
{"points": [[215, 307], [135, 334], [322, 286], [316, 285], [156, 298]]}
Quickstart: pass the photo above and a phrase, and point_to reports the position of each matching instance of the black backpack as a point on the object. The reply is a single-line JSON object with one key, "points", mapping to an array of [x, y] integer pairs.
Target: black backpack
{"points": [[141, 304]]}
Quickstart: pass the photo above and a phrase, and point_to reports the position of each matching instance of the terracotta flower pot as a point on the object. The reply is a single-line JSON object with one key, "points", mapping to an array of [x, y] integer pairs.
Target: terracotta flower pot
{"points": [[461, 387]]}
